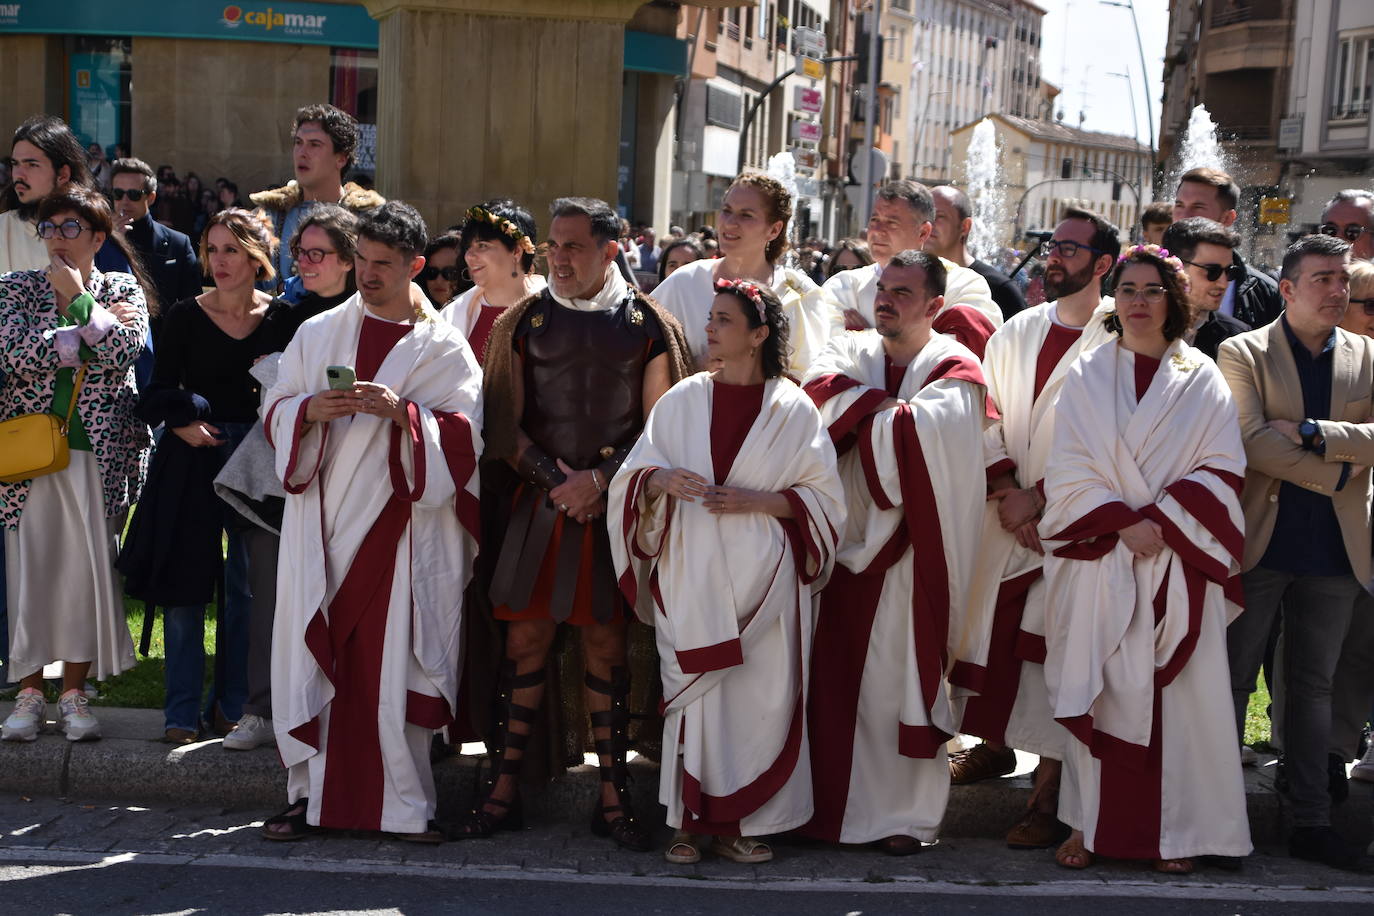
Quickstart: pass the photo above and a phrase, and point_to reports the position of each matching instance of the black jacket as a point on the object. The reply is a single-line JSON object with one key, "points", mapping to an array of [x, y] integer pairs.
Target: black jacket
{"points": [[1257, 300], [1214, 330], [170, 261], [1005, 292]]}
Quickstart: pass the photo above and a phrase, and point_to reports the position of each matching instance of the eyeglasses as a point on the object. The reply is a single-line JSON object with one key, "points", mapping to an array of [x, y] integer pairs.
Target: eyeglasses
{"points": [[451, 274], [1350, 232], [313, 255], [133, 194], [1066, 248], [70, 229], [1213, 272], [1152, 293], [1366, 304]]}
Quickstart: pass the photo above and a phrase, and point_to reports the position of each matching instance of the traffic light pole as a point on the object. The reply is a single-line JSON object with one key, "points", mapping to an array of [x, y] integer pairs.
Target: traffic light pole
{"points": [[758, 103]]}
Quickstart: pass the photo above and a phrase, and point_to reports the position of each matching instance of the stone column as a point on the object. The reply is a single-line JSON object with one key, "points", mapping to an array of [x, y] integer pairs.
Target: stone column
{"points": [[477, 100]]}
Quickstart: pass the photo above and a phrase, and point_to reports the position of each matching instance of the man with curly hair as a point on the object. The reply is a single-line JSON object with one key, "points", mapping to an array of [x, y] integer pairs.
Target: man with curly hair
{"points": [[323, 141]]}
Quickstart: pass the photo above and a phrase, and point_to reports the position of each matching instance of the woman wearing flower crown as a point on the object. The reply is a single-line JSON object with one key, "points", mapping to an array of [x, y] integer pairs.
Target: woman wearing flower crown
{"points": [[1143, 538], [752, 229], [731, 503], [498, 250]]}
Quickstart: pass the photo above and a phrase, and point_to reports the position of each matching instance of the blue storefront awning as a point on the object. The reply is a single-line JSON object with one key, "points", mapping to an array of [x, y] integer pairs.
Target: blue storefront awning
{"points": [[338, 25], [646, 52]]}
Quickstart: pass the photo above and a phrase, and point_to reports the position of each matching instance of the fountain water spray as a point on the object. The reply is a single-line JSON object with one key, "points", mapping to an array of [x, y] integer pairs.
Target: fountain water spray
{"points": [[1200, 148], [985, 193], [783, 167]]}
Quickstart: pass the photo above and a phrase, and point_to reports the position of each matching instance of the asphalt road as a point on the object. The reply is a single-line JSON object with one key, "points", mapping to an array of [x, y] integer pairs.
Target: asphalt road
{"points": [[128, 887]]}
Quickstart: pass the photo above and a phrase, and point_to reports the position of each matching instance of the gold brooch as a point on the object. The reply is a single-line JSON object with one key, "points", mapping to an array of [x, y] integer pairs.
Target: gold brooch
{"points": [[1183, 363], [607, 451], [537, 321], [635, 316]]}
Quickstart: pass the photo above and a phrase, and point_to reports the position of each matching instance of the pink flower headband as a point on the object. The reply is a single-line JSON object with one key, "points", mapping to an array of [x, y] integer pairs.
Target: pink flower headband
{"points": [[1131, 253], [745, 289]]}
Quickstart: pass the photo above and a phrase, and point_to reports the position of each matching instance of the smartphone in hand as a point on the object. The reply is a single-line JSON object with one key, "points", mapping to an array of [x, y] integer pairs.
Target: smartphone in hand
{"points": [[341, 378]]}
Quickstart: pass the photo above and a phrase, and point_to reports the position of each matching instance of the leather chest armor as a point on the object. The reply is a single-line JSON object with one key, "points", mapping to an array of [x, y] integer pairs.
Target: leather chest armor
{"points": [[584, 375]]}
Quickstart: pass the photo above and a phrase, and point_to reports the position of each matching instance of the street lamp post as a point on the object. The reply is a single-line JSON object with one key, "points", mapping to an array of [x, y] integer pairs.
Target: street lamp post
{"points": [[1145, 76], [1135, 123]]}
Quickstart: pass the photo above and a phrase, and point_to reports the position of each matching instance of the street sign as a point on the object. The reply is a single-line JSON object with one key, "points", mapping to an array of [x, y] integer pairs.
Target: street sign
{"points": [[810, 68], [1290, 133], [804, 98], [808, 187], [810, 131], [809, 42], [806, 158], [1273, 211]]}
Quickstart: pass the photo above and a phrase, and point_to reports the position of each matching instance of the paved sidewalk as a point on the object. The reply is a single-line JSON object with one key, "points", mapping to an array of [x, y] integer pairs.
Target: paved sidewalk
{"points": [[132, 765]]}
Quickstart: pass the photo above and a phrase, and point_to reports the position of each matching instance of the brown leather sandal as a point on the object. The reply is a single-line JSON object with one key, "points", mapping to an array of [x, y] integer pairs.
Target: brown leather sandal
{"points": [[1173, 866], [979, 763], [1070, 850], [481, 822], [622, 827]]}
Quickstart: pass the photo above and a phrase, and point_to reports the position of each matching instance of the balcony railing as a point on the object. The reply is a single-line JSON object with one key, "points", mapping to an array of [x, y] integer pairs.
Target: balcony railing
{"points": [[1229, 12], [1347, 110]]}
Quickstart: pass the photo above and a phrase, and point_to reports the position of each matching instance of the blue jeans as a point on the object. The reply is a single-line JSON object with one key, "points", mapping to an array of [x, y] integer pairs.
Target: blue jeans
{"points": [[184, 637]]}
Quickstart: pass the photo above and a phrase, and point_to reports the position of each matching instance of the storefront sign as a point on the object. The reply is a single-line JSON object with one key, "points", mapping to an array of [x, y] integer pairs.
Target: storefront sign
{"points": [[807, 99], [337, 25], [809, 131]]}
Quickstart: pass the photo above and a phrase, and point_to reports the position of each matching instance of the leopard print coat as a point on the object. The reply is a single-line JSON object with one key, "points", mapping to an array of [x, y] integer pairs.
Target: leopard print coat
{"points": [[29, 361]]}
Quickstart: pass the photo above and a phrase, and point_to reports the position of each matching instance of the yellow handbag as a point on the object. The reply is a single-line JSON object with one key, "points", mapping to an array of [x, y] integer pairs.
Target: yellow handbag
{"points": [[36, 443]]}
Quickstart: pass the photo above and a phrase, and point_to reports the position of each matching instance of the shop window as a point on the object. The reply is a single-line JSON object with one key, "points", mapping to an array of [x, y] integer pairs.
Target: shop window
{"points": [[353, 88], [99, 79]]}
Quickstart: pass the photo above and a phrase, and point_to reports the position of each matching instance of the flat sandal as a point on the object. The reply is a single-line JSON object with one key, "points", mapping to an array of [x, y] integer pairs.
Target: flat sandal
{"points": [[742, 849], [683, 840]]}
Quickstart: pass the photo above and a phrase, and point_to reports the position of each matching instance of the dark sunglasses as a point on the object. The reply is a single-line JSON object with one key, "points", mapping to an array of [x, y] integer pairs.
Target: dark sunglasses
{"points": [[1351, 232], [451, 274], [1366, 304], [68, 229], [1234, 272], [133, 194]]}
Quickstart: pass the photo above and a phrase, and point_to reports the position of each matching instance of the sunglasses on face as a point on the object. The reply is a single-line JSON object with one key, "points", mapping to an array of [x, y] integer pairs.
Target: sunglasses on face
{"points": [[69, 229], [451, 274], [1066, 249], [1213, 272], [1351, 232], [133, 194], [1366, 304], [313, 255]]}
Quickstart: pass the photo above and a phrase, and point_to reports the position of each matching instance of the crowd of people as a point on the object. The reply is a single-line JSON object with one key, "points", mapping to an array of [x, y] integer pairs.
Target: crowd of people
{"points": [[786, 524]]}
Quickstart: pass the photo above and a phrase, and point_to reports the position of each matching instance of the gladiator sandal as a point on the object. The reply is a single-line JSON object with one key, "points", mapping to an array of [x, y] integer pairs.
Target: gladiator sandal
{"points": [[506, 754], [611, 750]]}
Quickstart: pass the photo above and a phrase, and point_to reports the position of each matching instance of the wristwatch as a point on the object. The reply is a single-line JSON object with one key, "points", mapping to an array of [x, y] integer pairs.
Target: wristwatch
{"points": [[1311, 433]]}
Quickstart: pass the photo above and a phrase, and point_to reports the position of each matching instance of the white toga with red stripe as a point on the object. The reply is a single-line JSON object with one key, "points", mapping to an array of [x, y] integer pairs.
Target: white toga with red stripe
{"points": [[377, 546], [1032, 348], [731, 600], [892, 637], [1136, 664]]}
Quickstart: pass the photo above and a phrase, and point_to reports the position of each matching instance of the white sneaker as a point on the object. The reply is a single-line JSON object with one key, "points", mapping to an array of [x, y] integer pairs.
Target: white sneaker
{"points": [[249, 733], [25, 721], [77, 722], [1364, 770], [1248, 757]]}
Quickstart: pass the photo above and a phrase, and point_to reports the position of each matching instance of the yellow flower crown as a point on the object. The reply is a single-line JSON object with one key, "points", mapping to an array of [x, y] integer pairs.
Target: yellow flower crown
{"points": [[508, 228]]}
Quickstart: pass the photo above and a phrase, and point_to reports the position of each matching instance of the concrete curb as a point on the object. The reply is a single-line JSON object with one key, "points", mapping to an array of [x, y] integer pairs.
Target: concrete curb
{"points": [[130, 765]]}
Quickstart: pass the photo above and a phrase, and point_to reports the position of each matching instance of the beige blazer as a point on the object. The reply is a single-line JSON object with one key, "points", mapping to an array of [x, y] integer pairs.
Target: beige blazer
{"points": [[1259, 367]]}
